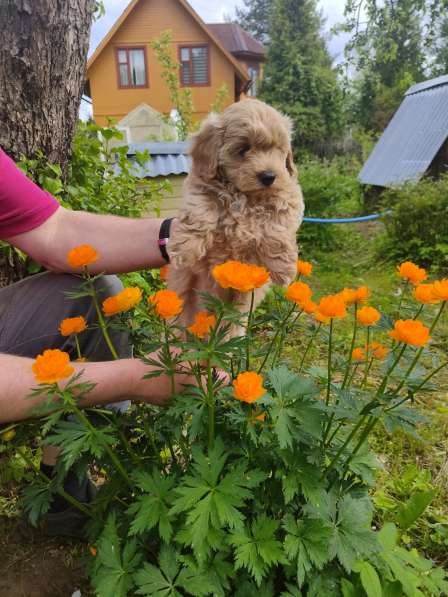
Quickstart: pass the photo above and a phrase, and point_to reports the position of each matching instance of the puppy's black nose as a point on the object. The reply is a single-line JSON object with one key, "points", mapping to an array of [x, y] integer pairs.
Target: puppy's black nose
{"points": [[267, 177]]}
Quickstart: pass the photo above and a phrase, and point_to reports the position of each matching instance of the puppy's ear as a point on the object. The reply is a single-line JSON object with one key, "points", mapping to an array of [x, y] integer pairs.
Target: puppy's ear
{"points": [[205, 147], [290, 164]]}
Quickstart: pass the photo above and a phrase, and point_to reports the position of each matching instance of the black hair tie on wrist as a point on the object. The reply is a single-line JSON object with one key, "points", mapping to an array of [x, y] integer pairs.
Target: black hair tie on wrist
{"points": [[164, 237]]}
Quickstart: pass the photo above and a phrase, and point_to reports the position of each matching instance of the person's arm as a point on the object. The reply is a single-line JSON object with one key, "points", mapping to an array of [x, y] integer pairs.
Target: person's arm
{"points": [[115, 380], [123, 244]]}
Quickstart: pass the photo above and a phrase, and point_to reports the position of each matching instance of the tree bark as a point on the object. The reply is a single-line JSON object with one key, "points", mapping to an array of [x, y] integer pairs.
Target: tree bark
{"points": [[43, 51]]}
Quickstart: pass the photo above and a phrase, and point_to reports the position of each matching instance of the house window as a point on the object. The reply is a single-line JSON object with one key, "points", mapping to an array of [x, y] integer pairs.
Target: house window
{"points": [[131, 65], [254, 76], [194, 68]]}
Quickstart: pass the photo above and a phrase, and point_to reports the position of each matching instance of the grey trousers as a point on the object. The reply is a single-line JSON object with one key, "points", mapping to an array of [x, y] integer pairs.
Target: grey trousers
{"points": [[32, 309]]}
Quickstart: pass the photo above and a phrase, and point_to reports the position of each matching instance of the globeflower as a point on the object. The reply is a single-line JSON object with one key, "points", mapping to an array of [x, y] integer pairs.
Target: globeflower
{"points": [[167, 303], [321, 318], [411, 272], [163, 272], [122, 302], [304, 267], [424, 293], [299, 292], [243, 277], [82, 256], [308, 306], [440, 290], [72, 325], [368, 316], [248, 387], [355, 295], [379, 351], [358, 354], [202, 325], [410, 331], [52, 366], [332, 306]]}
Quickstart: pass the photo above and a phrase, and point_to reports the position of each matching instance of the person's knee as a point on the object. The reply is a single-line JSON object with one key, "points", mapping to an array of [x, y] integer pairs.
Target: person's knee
{"points": [[107, 286]]}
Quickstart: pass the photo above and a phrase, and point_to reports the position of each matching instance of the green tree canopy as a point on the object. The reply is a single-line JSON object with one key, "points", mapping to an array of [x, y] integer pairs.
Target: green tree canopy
{"points": [[299, 78], [254, 18]]}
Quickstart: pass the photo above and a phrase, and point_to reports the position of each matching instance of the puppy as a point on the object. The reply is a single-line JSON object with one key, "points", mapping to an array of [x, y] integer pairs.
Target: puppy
{"points": [[241, 201]]}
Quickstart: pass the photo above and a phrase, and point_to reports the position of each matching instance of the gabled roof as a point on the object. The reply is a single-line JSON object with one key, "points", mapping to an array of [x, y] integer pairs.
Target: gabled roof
{"points": [[236, 39], [413, 137], [130, 7]]}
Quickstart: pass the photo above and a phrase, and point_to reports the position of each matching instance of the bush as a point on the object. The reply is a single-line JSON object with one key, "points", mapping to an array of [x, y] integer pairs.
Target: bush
{"points": [[330, 190], [257, 489], [417, 226]]}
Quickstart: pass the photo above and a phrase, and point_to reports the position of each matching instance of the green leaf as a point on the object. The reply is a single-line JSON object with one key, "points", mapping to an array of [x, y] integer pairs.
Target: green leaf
{"points": [[348, 589], [409, 512], [36, 500], [114, 567], [213, 500], [308, 542], [257, 549], [152, 508], [369, 579]]}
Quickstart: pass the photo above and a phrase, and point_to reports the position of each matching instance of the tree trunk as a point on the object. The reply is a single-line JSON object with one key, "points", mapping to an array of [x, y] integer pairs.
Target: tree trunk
{"points": [[43, 52]]}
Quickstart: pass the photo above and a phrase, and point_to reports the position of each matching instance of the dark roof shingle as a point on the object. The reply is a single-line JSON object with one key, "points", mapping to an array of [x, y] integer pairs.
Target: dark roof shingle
{"points": [[235, 39]]}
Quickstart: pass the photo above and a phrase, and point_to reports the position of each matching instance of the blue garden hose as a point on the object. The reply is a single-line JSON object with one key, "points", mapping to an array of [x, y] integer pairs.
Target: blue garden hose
{"points": [[344, 220]]}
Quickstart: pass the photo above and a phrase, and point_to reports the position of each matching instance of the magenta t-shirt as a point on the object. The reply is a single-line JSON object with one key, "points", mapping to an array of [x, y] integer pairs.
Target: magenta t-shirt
{"points": [[23, 205]]}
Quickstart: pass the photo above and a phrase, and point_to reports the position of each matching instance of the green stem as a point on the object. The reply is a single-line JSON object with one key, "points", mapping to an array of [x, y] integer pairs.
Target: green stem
{"points": [[248, 330], [78, 348], [371, 424], [416, 316], [329, 363], [368, 365], [274, 340], [211, 407], [352, 346], [170, 360], [428, 377], [391, 369], [307, 349], [355, 369], [101, 321], [119, 467]]}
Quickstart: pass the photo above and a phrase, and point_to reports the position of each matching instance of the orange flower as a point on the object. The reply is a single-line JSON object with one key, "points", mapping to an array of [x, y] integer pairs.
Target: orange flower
{"points": [[308, 306], [163, 272], [424, 293], [411, 272], [355, 295], [72, 325], [167, 303], [93, 550], [368, 315], [243, 277], [321, 318], [332, 306], [248, 387], [304, 268], [203, 323], [82, 256], [52, 366], [299, 292], [378, 350], [123, 301], [358, 354], [440, 290], [410, 331]]}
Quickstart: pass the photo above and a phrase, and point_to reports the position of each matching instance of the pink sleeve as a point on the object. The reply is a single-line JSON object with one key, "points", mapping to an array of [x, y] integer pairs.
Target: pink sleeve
{"points": [[23, 205]]}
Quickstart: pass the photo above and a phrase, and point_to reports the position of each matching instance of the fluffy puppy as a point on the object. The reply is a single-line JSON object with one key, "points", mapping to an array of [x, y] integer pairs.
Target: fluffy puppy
{"points": [[241, 201]]}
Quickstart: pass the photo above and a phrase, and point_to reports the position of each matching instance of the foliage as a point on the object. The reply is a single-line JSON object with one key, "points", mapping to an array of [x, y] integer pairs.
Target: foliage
{"points": [[330, 189], [217, 496], [254, 17], [181, 98], [416, 226], [101, 178], [222, 96], [298, 77]]}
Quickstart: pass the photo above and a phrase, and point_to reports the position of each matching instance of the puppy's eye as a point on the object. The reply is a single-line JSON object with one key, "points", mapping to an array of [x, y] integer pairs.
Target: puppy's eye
{"points": [[244, 150]]}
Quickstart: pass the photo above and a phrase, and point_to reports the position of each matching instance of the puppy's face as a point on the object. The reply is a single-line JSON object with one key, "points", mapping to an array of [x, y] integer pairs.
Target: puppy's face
{"points": [[248, 145]]}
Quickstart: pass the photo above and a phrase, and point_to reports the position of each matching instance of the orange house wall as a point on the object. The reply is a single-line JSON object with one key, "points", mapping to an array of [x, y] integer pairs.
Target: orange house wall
{"points": [[146, 22]]}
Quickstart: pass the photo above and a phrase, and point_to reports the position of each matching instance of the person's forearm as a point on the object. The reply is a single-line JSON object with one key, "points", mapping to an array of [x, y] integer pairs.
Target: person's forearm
{"points": [[123, 244], [116, 380]]}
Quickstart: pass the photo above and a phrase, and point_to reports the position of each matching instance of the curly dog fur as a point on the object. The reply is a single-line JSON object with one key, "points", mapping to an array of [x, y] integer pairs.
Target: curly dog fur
{"points": [[228, 212]]}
